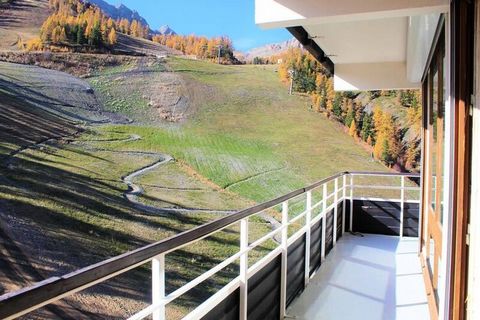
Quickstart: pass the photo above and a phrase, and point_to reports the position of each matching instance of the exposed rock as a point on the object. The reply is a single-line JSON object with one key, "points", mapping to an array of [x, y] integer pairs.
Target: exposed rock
{"points": [[119, 12], [166, 30], [272, 49]]}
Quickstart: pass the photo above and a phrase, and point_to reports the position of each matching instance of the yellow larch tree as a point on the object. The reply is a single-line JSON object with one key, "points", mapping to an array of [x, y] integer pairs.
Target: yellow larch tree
{"points": [[112, 37], [353, 129]]}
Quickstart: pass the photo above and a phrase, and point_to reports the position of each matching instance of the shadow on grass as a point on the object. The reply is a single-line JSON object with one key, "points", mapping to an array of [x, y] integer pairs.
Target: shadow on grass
{"points": [[54, 220]]}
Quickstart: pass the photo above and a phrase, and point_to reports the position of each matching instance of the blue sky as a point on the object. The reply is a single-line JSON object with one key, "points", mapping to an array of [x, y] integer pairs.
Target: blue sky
{"points": [[233, 18]]}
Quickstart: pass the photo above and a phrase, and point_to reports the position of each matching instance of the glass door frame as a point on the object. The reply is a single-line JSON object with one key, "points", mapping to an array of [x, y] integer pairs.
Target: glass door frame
{"points": [[431, 233]]}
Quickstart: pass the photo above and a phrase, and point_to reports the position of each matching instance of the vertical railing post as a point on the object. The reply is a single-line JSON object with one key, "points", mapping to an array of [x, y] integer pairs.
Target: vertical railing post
{"points": [[243, 268], [283, 275], [344, 195], [308, 219], [335, 212], [402, 204], [324, 220], [158, 286], [351, 203]]}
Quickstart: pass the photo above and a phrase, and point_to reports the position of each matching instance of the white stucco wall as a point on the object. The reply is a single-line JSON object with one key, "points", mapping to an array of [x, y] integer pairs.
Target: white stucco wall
{"points": [[372, 76], [287, 13]]}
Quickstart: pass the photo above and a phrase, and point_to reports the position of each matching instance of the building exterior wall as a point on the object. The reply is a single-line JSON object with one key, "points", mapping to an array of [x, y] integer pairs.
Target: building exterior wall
{"points": [[473, 306], [460, 200]]}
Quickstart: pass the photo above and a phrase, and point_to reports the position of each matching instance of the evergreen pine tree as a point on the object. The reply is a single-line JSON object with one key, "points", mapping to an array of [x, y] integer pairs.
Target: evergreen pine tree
{"points": [[95, 38], [386, 157], [367, 126], [337, 104], [350, 116], [80, 34]]}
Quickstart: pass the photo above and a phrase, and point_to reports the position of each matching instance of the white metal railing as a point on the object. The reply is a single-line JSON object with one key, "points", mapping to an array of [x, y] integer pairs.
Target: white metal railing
{"points": [[26, 300]]}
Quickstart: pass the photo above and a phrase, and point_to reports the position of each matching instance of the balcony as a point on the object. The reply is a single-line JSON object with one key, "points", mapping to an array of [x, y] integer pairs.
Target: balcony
{"points": [[342, 248], [380, 277]]}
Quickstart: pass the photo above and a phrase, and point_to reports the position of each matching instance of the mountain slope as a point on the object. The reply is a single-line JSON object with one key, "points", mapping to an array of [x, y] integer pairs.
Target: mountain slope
{"points": [[244, 140], [123, 12], [166, 30], [132, 45], [119, 12], [272, 49], [21, 19]]}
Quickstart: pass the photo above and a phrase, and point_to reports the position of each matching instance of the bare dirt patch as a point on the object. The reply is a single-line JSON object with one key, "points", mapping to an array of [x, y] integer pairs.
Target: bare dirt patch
{"points": [[175, 98], [21, 19], [50, 92], [77, 64], [148, 91], [132, 45]]}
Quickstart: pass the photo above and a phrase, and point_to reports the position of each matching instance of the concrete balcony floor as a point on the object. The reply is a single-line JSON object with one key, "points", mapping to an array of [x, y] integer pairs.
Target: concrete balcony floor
{"points": [[370, 277]]}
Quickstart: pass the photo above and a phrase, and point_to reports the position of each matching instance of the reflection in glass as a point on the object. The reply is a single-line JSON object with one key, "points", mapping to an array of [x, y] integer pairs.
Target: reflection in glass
{"points": [[434, 138], [431, 256], [441, 119], [437, 136]]}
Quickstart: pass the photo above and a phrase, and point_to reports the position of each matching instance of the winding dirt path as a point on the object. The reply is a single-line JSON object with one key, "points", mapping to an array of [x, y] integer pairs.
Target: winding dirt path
{"points": [[134, 190]]}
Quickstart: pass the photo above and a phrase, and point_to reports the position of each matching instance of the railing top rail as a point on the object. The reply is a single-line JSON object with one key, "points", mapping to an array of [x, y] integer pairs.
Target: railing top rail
{"points": [[393, 174], [54, 288]]}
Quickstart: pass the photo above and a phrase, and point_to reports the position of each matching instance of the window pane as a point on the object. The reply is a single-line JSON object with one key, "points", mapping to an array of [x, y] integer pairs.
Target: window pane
{"points": [[441, 125], [434, 139]]}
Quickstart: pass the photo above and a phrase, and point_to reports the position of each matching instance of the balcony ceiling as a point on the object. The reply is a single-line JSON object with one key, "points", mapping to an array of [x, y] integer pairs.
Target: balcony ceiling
{"points": [[368, 41], [291, 13], [373, 44]]}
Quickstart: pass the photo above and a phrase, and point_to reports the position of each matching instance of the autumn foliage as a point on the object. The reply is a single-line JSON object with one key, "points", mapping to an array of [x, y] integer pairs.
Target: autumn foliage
{"points": [[201, 47], [75, 23], [377, 128]]}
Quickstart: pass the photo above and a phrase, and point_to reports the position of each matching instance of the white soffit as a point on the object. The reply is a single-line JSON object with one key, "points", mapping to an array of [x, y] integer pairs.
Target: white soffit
{"points": [[291, 13], [372, 76], [373, 44], [366, 41]]}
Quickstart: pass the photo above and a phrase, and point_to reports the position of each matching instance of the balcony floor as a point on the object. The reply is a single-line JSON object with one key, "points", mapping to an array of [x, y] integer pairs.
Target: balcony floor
{"points": [[371, 277]]}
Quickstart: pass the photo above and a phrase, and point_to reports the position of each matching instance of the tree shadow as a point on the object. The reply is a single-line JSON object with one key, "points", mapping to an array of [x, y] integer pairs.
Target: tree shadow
{"points": [[69, 242], [56, 218]]}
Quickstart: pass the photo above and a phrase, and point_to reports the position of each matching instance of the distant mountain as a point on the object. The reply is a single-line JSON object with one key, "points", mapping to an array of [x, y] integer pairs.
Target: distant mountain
{"points": [[272, 49], [123, 12], [118, 12], [166, 30]]}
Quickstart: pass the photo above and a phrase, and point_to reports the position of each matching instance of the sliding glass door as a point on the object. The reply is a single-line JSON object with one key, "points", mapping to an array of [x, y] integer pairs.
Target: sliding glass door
{"points": [[434, 91]]}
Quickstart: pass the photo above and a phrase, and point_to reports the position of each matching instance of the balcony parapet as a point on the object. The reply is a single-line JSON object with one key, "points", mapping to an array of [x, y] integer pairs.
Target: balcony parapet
{"points": [[303, 239]]}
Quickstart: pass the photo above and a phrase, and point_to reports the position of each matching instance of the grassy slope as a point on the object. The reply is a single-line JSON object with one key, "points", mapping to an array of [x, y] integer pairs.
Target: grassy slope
{"points": [[251, 137]]}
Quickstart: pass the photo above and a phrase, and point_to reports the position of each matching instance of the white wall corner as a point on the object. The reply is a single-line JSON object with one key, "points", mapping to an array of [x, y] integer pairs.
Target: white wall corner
{"points": [[286, 13], [372, 76], [271, 14]]}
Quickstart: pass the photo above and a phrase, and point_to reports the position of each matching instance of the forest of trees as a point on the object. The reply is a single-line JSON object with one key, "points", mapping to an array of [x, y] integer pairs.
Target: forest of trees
{"points": [[201, 47], [265, 60], [377, 128], [76, 23]]}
